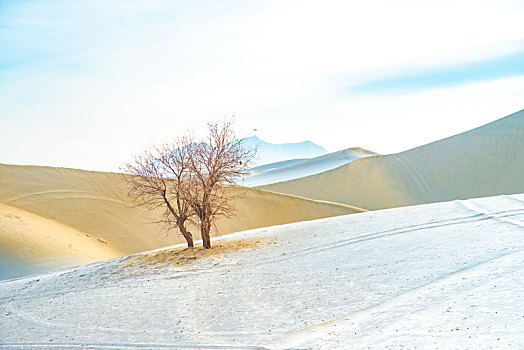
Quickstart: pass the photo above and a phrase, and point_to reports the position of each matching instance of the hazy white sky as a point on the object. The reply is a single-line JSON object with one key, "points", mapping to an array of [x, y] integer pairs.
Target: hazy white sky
{"points": [[87, 84]]}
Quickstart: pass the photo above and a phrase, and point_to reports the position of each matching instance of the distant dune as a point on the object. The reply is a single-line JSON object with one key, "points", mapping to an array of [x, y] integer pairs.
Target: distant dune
{"points": [[485, 161], [56, 217], [298, 168]]}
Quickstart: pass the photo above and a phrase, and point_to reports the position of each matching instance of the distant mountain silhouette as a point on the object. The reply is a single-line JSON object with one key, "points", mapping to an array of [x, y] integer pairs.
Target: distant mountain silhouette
{"points": [[271, 152]]}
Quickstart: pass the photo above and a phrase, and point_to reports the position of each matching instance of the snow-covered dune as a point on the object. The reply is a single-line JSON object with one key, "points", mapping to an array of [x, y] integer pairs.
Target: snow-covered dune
{"points": [[294, 169], [485, 161], [56, 217], [443, 275]]}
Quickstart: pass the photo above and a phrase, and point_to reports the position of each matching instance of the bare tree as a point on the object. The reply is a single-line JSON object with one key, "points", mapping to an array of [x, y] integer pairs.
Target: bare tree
{"points": [[189, 178], [215, 164], [160, 179]]}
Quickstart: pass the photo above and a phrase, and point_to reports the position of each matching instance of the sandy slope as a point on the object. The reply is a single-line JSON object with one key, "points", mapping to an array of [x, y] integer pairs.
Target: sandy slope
{"points": [[31, 244], [485, 161], [294, 169], [45, 209], [443, 275]]}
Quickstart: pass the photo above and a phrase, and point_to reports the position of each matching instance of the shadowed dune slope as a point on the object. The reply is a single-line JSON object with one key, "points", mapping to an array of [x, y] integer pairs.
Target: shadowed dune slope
{"points": [[31, 244], [56, 217], [485, 161]]}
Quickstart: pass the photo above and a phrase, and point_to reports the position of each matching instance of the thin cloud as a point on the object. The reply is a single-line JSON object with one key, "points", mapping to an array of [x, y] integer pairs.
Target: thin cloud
{"points": [[491, 69]]}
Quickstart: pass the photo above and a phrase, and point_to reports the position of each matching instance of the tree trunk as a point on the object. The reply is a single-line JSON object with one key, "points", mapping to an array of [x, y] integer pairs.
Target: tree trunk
{"points": [[187, 235], [205, 227]]}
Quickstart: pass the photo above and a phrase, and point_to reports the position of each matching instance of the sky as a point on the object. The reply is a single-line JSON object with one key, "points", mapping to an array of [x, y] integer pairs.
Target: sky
{"points": [[88, 84]]}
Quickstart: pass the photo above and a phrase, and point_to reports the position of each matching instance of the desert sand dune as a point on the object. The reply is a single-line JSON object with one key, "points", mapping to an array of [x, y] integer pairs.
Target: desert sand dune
{"points": [[31, 243], [59, 217], [56, 217], [485, 161], [295, 169]]}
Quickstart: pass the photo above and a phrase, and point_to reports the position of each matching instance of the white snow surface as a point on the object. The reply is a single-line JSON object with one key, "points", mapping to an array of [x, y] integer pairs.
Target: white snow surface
{"points": [[437, 276], [295, 169]]}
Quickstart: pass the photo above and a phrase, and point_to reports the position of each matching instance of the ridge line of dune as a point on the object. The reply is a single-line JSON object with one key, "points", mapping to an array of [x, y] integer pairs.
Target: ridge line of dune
{"points": [[288, 195]]}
